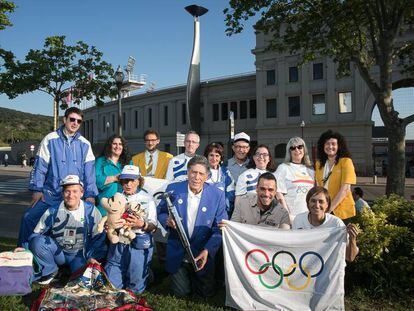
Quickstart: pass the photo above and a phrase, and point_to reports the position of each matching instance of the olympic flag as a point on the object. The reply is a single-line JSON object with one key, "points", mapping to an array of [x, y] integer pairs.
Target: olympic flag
{"points": [[273, 269]]}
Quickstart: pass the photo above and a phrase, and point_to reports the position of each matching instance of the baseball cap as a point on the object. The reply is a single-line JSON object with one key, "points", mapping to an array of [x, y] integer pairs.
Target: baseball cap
{"points": [[71, 180], [241, 136], [130, 172]]}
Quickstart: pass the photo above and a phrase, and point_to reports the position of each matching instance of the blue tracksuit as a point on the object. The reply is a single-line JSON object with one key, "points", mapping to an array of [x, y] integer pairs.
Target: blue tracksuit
{"points": [[225, 183], [48, 245], [58, 157], [128, 266]]}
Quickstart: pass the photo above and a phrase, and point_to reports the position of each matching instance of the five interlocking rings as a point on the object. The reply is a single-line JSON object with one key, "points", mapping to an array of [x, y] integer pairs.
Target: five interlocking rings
{"points": [[292, 268]]}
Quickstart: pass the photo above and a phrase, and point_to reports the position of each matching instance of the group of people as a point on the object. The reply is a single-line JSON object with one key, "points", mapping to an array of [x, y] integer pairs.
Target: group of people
{"points": [[70, 188]]}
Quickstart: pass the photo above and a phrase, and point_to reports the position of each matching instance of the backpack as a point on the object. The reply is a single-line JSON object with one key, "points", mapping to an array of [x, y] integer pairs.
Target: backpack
{"points": [[16, 273]]}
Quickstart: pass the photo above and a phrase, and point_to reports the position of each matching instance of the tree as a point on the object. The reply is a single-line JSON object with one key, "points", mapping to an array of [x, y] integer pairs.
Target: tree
{"points": [[366, 32], [5, 7], [61, 71]]}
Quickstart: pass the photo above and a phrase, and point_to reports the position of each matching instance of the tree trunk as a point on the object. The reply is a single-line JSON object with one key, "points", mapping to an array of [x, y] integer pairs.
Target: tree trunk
{"points": [[55, 114], [396, 160]]}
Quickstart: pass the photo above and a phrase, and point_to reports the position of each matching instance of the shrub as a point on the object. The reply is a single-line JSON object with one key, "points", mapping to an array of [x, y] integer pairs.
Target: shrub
{"points": [[385, 262]]}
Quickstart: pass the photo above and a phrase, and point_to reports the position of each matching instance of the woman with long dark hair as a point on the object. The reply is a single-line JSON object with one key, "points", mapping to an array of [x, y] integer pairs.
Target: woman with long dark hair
{"points": [[334, 170], [108, 167]]}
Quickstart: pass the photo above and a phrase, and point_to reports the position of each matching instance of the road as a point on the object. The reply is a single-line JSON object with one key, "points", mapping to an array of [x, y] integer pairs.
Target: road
{"points": [[15, 198]]}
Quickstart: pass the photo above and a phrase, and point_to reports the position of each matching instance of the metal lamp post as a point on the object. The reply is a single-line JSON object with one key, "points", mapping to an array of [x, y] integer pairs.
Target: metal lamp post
{"points": [[107, 125], [119, 80], [302, 126], [193, 80]]}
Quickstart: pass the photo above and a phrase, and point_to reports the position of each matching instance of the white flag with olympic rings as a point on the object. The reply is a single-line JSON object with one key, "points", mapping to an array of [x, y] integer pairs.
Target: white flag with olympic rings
{"points": [[274, 269]]}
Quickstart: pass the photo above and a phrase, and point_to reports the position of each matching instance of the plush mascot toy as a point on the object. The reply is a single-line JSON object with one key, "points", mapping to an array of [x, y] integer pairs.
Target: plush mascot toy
{"points": [[115, 207], [132, 208]]}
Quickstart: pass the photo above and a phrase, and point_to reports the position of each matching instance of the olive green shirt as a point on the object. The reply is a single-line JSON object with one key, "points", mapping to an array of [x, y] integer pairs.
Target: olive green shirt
{"points": [[247, 211]]}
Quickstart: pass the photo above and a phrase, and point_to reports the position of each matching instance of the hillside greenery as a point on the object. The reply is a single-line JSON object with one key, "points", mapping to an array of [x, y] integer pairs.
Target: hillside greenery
{"points": [[20, 126]]}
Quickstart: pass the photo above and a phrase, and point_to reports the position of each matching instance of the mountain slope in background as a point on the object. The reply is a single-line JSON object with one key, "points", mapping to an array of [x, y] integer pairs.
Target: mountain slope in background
{"points": [[20, 126]]}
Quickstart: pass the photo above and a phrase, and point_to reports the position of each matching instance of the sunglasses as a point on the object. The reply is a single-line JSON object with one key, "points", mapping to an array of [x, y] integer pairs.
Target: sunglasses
{"points": [[79, 121], [299, 147]]}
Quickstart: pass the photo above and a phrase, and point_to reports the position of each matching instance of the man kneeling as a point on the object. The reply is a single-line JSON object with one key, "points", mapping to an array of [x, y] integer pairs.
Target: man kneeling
{"points": [[66, 234]]}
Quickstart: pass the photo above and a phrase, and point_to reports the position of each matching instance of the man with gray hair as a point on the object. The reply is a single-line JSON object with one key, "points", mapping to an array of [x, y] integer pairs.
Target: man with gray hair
{"points": [[201, 207], [177, 167]]}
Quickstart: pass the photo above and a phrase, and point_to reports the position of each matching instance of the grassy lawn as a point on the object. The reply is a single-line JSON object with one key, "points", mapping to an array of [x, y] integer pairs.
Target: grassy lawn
{"points": [[158, 298]]}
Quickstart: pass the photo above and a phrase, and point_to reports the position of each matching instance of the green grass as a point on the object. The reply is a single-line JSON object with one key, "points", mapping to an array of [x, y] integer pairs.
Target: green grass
{"points": [[159, 299]]}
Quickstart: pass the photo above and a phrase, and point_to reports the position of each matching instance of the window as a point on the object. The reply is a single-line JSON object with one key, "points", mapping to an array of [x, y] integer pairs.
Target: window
{"points": [[270, 77], [113, 123], [104, 124], [123, 121], [167, 148], [184, 113], [253, 109], [243, 109], [149, 117], [215, 112], [91, 131], [293, 74], [271, 108], [317, 71], [345, 102], [136, 119], [280, 151], [233, 107], [294, 106], [224, 111], [318, 104], [165, 115]]}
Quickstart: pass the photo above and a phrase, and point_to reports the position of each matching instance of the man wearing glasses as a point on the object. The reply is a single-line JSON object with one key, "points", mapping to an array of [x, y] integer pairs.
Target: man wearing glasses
{"points": [[177, 168], [238, 163], [152, 162], [61, 153]]}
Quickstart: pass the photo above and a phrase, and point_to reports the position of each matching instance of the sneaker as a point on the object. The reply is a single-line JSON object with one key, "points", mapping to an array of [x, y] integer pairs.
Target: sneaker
{"points": [[47, 279]]}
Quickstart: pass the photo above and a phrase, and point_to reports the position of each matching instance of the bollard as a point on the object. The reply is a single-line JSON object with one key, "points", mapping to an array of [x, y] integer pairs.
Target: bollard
{"points": [[375, 179]]}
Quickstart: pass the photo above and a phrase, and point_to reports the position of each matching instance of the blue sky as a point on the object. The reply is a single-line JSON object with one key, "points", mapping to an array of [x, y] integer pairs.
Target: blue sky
{"points": [[157, 33]]}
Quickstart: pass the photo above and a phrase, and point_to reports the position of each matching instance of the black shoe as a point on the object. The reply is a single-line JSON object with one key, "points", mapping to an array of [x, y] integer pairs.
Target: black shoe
{"points": [[47, 279]]}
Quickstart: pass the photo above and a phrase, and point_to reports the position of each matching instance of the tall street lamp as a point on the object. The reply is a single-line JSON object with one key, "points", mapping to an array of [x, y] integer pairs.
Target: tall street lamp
{"points": [[302, 126], [107, 125], [119, 80]]}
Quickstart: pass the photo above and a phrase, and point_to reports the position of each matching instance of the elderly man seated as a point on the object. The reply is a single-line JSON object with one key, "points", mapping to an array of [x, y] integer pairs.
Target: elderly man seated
{"points": [[66, 234]]}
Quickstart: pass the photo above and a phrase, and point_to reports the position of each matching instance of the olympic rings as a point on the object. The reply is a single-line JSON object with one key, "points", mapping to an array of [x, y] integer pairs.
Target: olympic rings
{"points": [[308, 279], [276, 268], [247, 263], [293, 258], [301, 260], [292, 268]]}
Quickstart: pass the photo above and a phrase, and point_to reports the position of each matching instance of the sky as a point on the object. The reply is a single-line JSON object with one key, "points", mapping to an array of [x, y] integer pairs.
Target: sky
{"points": [[158, 33]]}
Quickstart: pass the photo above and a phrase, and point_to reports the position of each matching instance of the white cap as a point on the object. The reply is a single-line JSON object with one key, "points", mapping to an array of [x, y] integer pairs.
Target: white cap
{"points": [[130, 172], [71, 180], [241, 136]]}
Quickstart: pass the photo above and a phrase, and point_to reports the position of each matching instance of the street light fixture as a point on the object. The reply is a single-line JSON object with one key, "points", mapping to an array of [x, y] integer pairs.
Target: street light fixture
{"points": [[107, 125], [302, 126], [119, 80]]}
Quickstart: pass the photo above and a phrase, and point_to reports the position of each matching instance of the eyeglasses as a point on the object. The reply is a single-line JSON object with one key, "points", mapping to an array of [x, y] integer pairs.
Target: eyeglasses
{"points": [[263, 155], [151, 140], [79, 121], [191, 142], [299, 147]]}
